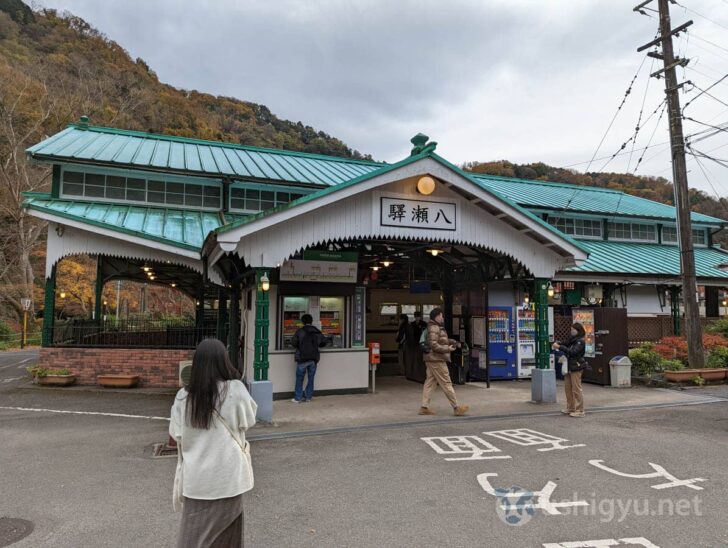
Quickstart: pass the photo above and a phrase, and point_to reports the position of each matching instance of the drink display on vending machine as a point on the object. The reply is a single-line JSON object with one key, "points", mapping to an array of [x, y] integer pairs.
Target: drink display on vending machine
{"points": [[501, 343], [526, 335]]}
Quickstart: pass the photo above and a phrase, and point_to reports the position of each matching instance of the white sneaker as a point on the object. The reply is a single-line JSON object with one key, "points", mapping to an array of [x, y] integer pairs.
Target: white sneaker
{"points": [[294, 400]]}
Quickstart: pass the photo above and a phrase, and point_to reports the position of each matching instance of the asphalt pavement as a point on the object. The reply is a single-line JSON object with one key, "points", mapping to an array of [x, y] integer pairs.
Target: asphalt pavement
{"points": [[90, 479]]}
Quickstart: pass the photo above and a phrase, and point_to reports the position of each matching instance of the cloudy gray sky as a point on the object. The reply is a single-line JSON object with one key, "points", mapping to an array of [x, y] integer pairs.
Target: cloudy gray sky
{"points": [[522, 80]]}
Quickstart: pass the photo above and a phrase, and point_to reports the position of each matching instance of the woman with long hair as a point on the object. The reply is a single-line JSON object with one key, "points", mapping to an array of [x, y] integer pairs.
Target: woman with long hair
{"points": [[574, 349], [209, 418]]}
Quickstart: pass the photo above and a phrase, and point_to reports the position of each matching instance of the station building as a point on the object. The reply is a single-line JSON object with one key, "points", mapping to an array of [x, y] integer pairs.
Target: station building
{"points": [[258, 237]]}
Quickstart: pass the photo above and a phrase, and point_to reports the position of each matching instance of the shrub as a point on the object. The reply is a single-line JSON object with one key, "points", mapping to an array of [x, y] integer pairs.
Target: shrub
{"points": [[718, 357], [42, 372], [676, 348], [719, 327], [672, 365], [644, 360], [697, 380]]}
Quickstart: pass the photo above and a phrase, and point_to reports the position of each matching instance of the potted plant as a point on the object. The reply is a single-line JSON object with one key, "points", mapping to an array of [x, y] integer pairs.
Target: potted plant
{"points": [[54, 377], [118, 381], [674, 371]]}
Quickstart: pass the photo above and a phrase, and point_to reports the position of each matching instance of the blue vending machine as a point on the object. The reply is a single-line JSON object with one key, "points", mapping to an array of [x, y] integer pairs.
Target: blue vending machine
{"points": [[502, 343]]}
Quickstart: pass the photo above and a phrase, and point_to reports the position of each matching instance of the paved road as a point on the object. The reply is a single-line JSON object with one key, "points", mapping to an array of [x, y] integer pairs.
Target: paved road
{"points": [[89, 480]]}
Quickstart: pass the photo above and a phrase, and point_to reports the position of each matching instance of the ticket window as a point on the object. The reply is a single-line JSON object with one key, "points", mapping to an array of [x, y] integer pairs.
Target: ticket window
{"points": [[293, 310], [332, 319], [410, 310], [328, 315]]}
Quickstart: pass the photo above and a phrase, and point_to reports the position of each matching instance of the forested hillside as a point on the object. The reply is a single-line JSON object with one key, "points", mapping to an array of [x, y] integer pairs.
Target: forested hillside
{"points": [[652, 188], [53, 69]]}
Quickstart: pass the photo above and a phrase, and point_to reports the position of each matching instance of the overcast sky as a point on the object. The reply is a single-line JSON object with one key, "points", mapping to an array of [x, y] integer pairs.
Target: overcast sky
{"points": [[522, 80]]}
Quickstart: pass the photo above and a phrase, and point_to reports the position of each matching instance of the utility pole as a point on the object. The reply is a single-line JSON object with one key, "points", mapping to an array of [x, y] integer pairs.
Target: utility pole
{"points": [[693, 328]]}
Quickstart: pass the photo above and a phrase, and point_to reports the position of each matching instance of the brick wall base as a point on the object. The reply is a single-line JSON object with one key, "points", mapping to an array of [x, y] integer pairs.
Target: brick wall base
{"points": [[156, 367]]}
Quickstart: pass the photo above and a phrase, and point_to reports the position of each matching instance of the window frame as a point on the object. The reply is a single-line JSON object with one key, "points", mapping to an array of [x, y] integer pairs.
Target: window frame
{"points": [[595, 222], [631, 224], [260, 189], [147, 177], [701, 229]]}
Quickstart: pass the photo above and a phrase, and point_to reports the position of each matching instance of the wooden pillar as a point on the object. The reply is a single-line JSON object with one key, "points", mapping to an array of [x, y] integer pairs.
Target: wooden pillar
{"points": [[49, 308]]}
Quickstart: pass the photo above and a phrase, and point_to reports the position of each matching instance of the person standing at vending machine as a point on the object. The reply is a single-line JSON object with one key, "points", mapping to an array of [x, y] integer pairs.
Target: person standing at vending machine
{"points": [[574, 349], [438, 347]]}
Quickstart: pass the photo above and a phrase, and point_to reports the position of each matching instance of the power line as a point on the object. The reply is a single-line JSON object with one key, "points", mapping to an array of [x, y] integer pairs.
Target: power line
{"points": [[639, 161], [634, 135], [709, 42], [720, 162], [705, 174], [619, 108], [639, 117], [702, 16], [705, 91]]}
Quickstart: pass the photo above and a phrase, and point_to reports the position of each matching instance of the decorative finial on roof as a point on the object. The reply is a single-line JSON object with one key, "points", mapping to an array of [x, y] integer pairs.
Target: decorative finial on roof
{"points": [[83, 122], [421, 144]]}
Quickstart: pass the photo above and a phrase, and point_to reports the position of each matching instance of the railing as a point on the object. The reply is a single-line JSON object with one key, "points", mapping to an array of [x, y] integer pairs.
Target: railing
{"points": [[142, 333]]}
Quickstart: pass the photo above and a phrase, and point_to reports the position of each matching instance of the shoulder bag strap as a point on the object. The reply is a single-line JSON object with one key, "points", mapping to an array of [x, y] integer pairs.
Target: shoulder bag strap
{"points": [[243, 448]]}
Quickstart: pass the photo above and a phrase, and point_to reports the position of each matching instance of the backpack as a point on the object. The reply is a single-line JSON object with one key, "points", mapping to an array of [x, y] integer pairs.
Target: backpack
{"points": [[424, 343], [308, 346]]}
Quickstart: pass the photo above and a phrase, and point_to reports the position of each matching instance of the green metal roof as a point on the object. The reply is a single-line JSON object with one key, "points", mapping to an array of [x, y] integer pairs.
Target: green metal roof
{"points": [[648, 259], [583, 199], [124, 148], [181, 228]]}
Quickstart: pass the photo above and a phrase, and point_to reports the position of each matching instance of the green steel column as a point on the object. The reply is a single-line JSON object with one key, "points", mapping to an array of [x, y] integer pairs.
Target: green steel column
{"points": [[49, 308], [222, 314], [260, 363], [541, 302], [98, 295], [675, 310]]}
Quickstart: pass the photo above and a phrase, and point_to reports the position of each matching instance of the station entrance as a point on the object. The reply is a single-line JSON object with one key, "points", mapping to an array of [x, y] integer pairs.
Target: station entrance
{"points": [[401, 281]]}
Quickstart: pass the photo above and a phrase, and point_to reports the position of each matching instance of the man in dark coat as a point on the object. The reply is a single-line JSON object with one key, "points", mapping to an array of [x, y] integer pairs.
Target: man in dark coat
{"points": [[307, 341]]}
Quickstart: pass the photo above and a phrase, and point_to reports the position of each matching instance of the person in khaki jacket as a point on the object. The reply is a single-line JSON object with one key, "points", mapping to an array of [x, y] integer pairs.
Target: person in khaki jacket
{"points": [[436, 360]]}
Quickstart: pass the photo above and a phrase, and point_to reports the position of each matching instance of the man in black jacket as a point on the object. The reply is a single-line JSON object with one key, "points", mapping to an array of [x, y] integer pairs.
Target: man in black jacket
{"points": [[307, 341]]}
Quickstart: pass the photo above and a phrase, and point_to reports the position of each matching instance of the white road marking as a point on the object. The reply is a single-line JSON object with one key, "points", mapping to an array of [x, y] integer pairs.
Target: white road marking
{"points": [[526, 438], [659, 472], [543, 497], [11, 379], [475, 447], [18, 364], [63, 411], [602, 543]]}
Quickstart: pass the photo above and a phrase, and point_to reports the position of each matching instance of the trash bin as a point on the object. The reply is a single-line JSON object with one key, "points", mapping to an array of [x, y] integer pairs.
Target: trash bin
{"points": [[620, 369]]}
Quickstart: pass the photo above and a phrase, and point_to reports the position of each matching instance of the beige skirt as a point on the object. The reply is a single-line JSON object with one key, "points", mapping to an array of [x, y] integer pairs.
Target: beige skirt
{"points": [[212, 523]]}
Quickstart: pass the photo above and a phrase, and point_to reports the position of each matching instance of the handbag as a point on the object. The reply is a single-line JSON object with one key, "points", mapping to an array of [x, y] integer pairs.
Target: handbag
{"points": [[244, 447]]}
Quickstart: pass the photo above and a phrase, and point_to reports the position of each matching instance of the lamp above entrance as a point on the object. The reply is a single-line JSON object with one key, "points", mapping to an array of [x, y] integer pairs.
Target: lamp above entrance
{"points": [[426, 185]]}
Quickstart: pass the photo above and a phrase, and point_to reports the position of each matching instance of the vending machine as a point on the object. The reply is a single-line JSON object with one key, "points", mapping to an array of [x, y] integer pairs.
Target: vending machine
{"points": [[526, 341], [502, 343]]}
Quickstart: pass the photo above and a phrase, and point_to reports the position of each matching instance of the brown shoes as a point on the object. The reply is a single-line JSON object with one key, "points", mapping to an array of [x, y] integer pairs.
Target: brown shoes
{"points": [[460, 410], [425, 411]]}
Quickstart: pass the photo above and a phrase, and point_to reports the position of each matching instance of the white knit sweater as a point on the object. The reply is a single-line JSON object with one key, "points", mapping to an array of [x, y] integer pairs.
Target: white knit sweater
{"points": [[211, 463]]}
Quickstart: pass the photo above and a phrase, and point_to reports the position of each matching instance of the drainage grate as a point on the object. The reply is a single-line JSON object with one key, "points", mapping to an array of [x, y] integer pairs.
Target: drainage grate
{"points": [[14, 529], [160, 450]]}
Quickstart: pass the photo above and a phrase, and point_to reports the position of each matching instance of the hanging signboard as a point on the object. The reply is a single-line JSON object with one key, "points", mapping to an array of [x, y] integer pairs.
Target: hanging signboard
{"points": [[318, 271], [357, 337], [331, 256], [418, 214], [585, 317]]}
